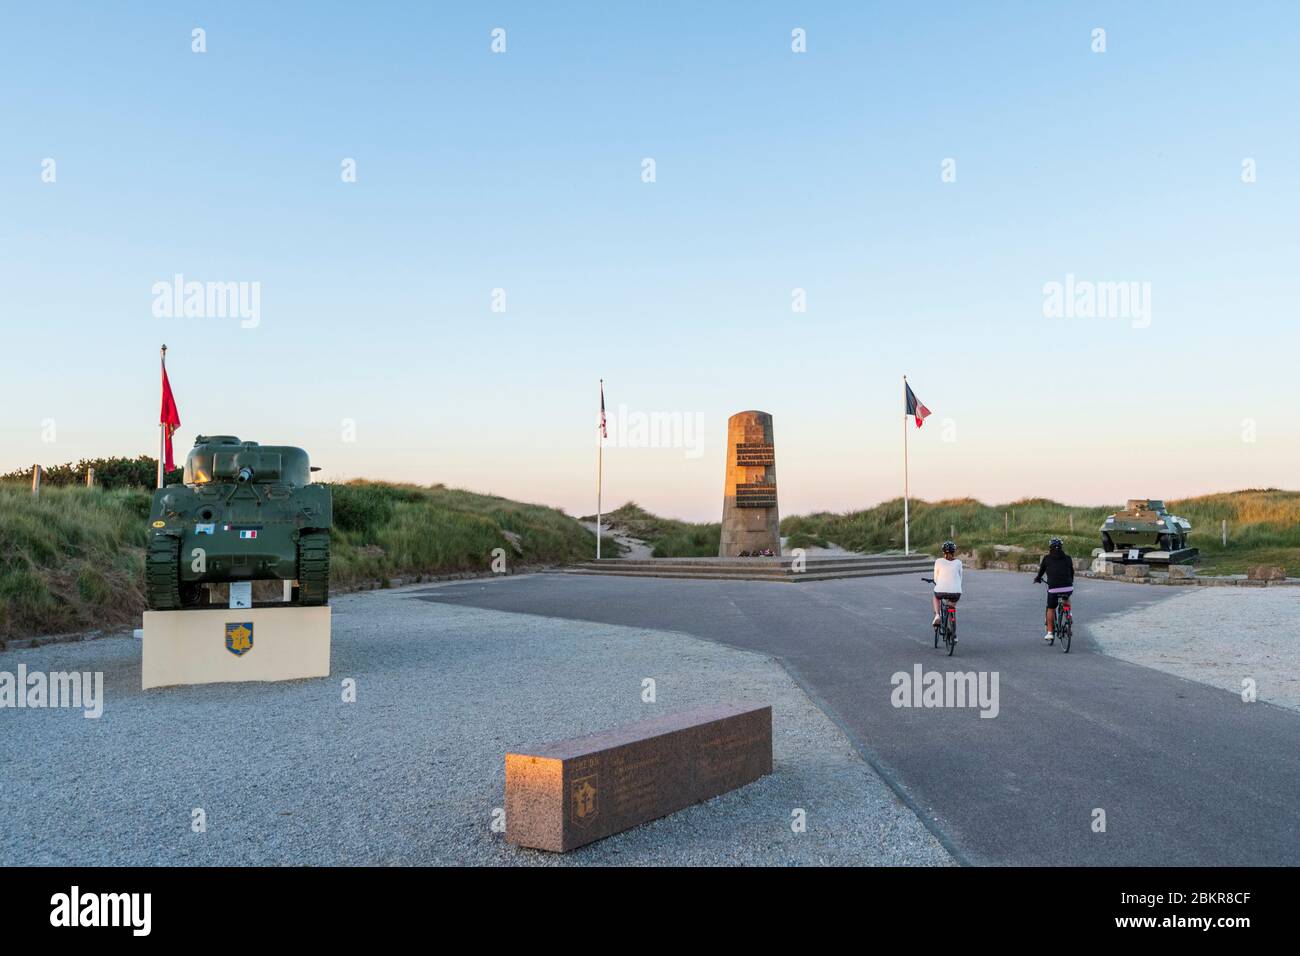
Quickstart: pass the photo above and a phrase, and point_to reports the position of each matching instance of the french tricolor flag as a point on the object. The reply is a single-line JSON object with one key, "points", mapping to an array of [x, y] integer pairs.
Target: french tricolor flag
{"points": [[913, 406]]}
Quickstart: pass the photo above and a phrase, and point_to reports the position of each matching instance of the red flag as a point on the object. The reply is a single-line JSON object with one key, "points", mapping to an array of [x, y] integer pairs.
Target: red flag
{"points": [[169, 418]]}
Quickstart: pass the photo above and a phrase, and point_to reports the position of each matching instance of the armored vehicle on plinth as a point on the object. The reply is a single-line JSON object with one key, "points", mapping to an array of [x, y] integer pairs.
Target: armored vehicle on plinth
{"points": [[1145, 531], [245, 512]]}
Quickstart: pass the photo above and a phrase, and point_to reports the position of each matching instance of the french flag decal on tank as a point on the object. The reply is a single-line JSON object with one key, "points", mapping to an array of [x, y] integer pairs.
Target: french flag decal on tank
{"points": [[248, 534]]}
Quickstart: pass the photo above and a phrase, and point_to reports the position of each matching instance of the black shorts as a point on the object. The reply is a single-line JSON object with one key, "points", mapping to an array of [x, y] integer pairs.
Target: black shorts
{"points": [[954, 598], [1053, 599]]}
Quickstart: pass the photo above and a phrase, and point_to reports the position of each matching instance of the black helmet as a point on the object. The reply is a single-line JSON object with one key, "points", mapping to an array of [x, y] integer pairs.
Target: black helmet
{"points": [[949, 548], [1056, 544]]}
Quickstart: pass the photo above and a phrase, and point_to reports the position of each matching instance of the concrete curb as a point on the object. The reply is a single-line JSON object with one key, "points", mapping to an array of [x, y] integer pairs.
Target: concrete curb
{"points": [[1156, 578]]}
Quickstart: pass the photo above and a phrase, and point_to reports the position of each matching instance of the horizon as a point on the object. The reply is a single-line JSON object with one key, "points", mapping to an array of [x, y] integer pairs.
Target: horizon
{"points": [[1080, 258]]}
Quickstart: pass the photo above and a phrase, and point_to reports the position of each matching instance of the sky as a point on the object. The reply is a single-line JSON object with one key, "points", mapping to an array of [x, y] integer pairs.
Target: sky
{"points": [[922, 172]]}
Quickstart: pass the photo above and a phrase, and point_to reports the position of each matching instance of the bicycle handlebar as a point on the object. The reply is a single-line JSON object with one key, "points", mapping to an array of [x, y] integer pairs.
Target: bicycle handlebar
{"points": [[928, 580]]}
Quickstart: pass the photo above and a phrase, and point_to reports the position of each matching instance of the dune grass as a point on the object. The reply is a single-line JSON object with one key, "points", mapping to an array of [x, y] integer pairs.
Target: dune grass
{"points": [[383, 530], [701, 541], [73, 559]]}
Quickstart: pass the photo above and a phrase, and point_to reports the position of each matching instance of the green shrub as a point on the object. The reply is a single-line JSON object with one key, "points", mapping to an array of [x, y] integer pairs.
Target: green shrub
{"points": [[361, 508], [139, 472], [700, 541]]}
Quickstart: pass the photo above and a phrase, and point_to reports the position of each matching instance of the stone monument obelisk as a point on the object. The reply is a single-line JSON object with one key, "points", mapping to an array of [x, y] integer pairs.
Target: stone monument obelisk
{"points": [[749, 517]]}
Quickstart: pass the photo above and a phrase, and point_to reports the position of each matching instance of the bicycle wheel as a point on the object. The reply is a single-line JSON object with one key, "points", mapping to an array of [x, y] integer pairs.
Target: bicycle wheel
{"points": [[936, 636], [1067, 631], [950, 635]]}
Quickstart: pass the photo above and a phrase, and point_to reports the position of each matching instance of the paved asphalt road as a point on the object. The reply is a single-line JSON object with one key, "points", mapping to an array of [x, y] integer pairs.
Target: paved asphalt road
{"points": [[1186, 774]]}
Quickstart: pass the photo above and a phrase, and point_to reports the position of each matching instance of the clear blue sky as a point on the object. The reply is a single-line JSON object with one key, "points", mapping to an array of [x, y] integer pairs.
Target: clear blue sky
{"points": [[775, 171]]}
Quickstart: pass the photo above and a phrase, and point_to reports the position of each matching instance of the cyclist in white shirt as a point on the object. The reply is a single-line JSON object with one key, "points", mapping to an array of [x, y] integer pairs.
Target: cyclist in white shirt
{"points": [[947, 578]]}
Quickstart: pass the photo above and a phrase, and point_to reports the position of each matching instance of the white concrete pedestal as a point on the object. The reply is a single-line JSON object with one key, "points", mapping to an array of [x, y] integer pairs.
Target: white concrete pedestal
{"points": [[211, 645]]}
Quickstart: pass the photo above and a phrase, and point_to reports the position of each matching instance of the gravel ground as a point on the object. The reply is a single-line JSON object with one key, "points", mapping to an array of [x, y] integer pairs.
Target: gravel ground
{"points": [[1217, 636], [411, 772]]}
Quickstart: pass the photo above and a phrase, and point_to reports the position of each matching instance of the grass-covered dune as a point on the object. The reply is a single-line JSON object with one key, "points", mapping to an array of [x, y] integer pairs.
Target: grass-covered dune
{"points": [[382, 530], [74, 557], [669, 537], [1263, 527]]}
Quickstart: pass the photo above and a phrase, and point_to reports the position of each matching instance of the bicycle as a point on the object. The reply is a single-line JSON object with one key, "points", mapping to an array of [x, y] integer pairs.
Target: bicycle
{"points": [[1063, 623], [947, 626]]}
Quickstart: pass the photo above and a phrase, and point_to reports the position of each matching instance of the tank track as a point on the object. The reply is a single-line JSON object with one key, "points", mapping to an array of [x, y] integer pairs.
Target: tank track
{"points": [[314, 568], [162, 573]]}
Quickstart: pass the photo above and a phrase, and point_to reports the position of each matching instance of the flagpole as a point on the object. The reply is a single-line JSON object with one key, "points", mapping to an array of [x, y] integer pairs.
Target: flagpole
{"points": [[906, 538], [162, 427], [600, 463]]}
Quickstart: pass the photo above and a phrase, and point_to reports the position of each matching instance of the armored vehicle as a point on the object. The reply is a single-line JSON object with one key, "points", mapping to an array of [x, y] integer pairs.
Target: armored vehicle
{"points": [[1145, 524], [245, 512]]}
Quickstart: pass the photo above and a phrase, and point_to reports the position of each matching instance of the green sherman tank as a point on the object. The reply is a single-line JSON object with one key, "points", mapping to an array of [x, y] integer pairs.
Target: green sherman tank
{"points": [[245, 512], [1145, 523]]}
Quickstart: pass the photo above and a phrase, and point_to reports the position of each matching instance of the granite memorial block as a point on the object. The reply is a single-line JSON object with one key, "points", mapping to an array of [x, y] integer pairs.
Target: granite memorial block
{"points": [[571, 792]]}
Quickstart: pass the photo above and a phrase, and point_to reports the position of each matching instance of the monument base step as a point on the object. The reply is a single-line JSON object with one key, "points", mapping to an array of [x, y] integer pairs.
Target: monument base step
{"points": [[758, 569]]}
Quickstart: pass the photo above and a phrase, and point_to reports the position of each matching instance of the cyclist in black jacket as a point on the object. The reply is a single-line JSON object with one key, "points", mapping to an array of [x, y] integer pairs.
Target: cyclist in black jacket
{"points": [[1059, 569]]}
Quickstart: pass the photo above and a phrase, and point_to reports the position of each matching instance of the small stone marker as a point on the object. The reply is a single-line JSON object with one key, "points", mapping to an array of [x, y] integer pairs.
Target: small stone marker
{"points": [[1265, 572], [572, 792]]}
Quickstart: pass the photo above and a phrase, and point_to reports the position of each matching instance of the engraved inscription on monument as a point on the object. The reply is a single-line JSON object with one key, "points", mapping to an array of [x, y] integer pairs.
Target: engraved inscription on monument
{"points": [[756, 495], [572, 792], [751, 455]]}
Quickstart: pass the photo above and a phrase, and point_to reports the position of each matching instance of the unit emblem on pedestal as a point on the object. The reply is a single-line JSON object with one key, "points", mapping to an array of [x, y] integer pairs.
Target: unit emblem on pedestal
{"points": [[239, 638]]}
